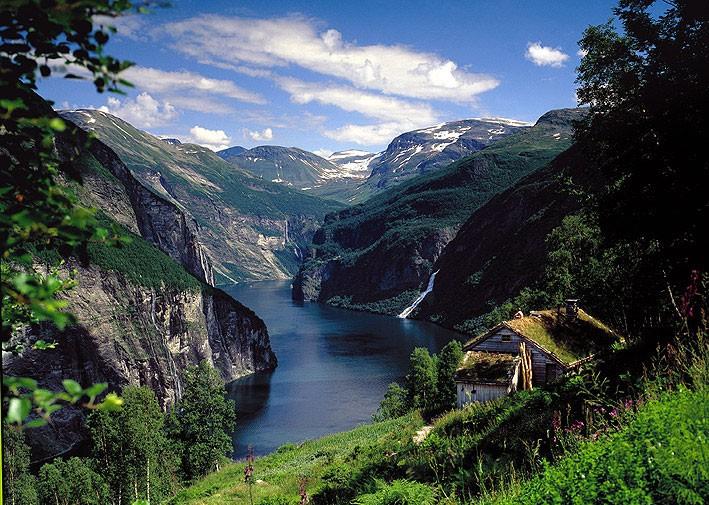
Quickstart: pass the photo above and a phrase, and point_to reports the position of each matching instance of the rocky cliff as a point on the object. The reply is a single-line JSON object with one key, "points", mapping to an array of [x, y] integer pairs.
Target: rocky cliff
{"points": [[144, 311]]}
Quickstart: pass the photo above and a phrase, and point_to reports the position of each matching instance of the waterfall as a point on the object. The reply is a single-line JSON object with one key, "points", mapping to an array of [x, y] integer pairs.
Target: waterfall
{"points": [[408, 310]]}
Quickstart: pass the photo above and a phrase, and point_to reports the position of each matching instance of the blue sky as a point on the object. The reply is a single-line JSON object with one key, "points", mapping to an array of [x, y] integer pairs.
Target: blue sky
{"points": [[327, 76]]}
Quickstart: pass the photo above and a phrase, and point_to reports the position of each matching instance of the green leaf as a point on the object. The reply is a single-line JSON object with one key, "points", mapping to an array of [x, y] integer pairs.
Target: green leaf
{"points": [[72, 387], [35, 423], [111, 403], [18, 409], [96, 389]]}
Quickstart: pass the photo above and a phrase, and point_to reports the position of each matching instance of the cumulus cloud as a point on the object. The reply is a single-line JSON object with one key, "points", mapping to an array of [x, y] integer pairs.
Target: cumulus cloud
{"points": [[143, 111], [215, 140], [545, 56], [581, 53], [265, 134], [161, 81], [280, 42]]}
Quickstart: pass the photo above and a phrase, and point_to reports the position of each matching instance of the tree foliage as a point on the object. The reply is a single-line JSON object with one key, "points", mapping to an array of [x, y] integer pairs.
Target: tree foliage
{"points": [[36, 211], [449, 359], [132, 449], [646, 88], [202, 421], [72, 482], [18, 484]]}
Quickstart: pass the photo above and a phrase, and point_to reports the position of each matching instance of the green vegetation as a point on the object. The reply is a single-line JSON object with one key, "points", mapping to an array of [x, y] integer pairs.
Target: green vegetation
{"points": [[138, 454], [139, 261], [36, 211], [394, 230], [327, 463], [429, 384], [202, 422], [661, 457]]}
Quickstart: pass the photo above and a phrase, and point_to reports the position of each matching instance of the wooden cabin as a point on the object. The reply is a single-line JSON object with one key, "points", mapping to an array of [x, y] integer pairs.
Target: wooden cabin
{"points": [[528, 351]]}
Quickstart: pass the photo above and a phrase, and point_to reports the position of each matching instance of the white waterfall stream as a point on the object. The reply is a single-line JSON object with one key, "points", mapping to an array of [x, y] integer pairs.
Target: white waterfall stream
{"points": [[408, 310]]}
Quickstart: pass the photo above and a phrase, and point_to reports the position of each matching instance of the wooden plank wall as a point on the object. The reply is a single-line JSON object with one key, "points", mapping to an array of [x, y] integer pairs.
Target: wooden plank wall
{"points": [[495, 343]]}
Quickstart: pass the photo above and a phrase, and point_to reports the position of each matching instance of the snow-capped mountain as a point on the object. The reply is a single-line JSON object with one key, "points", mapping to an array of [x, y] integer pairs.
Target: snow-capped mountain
{"points": [[419, 151], [354, 163]]}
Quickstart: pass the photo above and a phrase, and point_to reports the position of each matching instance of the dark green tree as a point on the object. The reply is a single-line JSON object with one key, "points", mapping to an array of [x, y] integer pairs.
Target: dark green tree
{"points": [[448, 361], [649, 118], [18, 484], [421, 380], [394, 404], [132, 449], [72, 482], [203, 421]]}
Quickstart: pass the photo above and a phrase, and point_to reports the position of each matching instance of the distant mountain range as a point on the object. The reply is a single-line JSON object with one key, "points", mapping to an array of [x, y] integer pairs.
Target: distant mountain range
{"points": [[352, 176]]}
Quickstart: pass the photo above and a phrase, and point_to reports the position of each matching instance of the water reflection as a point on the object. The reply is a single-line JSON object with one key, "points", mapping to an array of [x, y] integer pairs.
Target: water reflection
{"points": [[334, 366]]}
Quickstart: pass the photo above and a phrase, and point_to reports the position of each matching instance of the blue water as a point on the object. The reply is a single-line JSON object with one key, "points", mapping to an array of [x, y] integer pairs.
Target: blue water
{"points": [[333, 367]]}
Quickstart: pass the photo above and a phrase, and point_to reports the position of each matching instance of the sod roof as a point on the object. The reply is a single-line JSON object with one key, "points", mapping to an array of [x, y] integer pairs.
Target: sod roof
{"points": [[486, 368], [569, 340]]}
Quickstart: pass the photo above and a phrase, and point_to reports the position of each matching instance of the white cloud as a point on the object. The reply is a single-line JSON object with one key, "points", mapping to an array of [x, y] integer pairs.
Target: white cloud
{"points": [[161, 81], [265, 134], [368, 135], [353, 100], [581, 53], [143, 111], [544, 55], [215, 140], [280, 42]]}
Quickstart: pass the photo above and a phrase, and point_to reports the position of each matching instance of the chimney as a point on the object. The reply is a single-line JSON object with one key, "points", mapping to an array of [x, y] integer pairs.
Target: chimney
{"points": [[572, 308]]}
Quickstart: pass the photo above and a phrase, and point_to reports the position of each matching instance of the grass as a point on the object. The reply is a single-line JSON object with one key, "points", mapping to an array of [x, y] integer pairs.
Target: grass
{"points": [[661, 457], [568, 340], [315, 459]]}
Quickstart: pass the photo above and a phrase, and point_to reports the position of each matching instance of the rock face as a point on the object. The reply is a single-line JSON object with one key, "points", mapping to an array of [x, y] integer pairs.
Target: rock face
{"points": [[480, 266], [380, 254], [133, 332]]}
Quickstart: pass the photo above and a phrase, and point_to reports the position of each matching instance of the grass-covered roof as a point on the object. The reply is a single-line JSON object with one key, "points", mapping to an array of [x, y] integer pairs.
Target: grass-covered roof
{"points": [[569, 339], [486, 367]]}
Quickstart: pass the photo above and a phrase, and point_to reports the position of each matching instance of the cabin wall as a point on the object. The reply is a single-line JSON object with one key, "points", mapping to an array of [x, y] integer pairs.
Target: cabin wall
{"points": [[496, 343], [468, 393]]}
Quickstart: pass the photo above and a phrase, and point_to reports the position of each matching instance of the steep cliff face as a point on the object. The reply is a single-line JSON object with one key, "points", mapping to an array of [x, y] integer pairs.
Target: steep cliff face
{"points": [[378, 255], [502, 247], [144, 311]]}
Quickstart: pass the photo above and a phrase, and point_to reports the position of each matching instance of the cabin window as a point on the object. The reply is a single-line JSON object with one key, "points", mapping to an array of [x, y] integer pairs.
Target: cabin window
{"points": [[506, 337]]}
